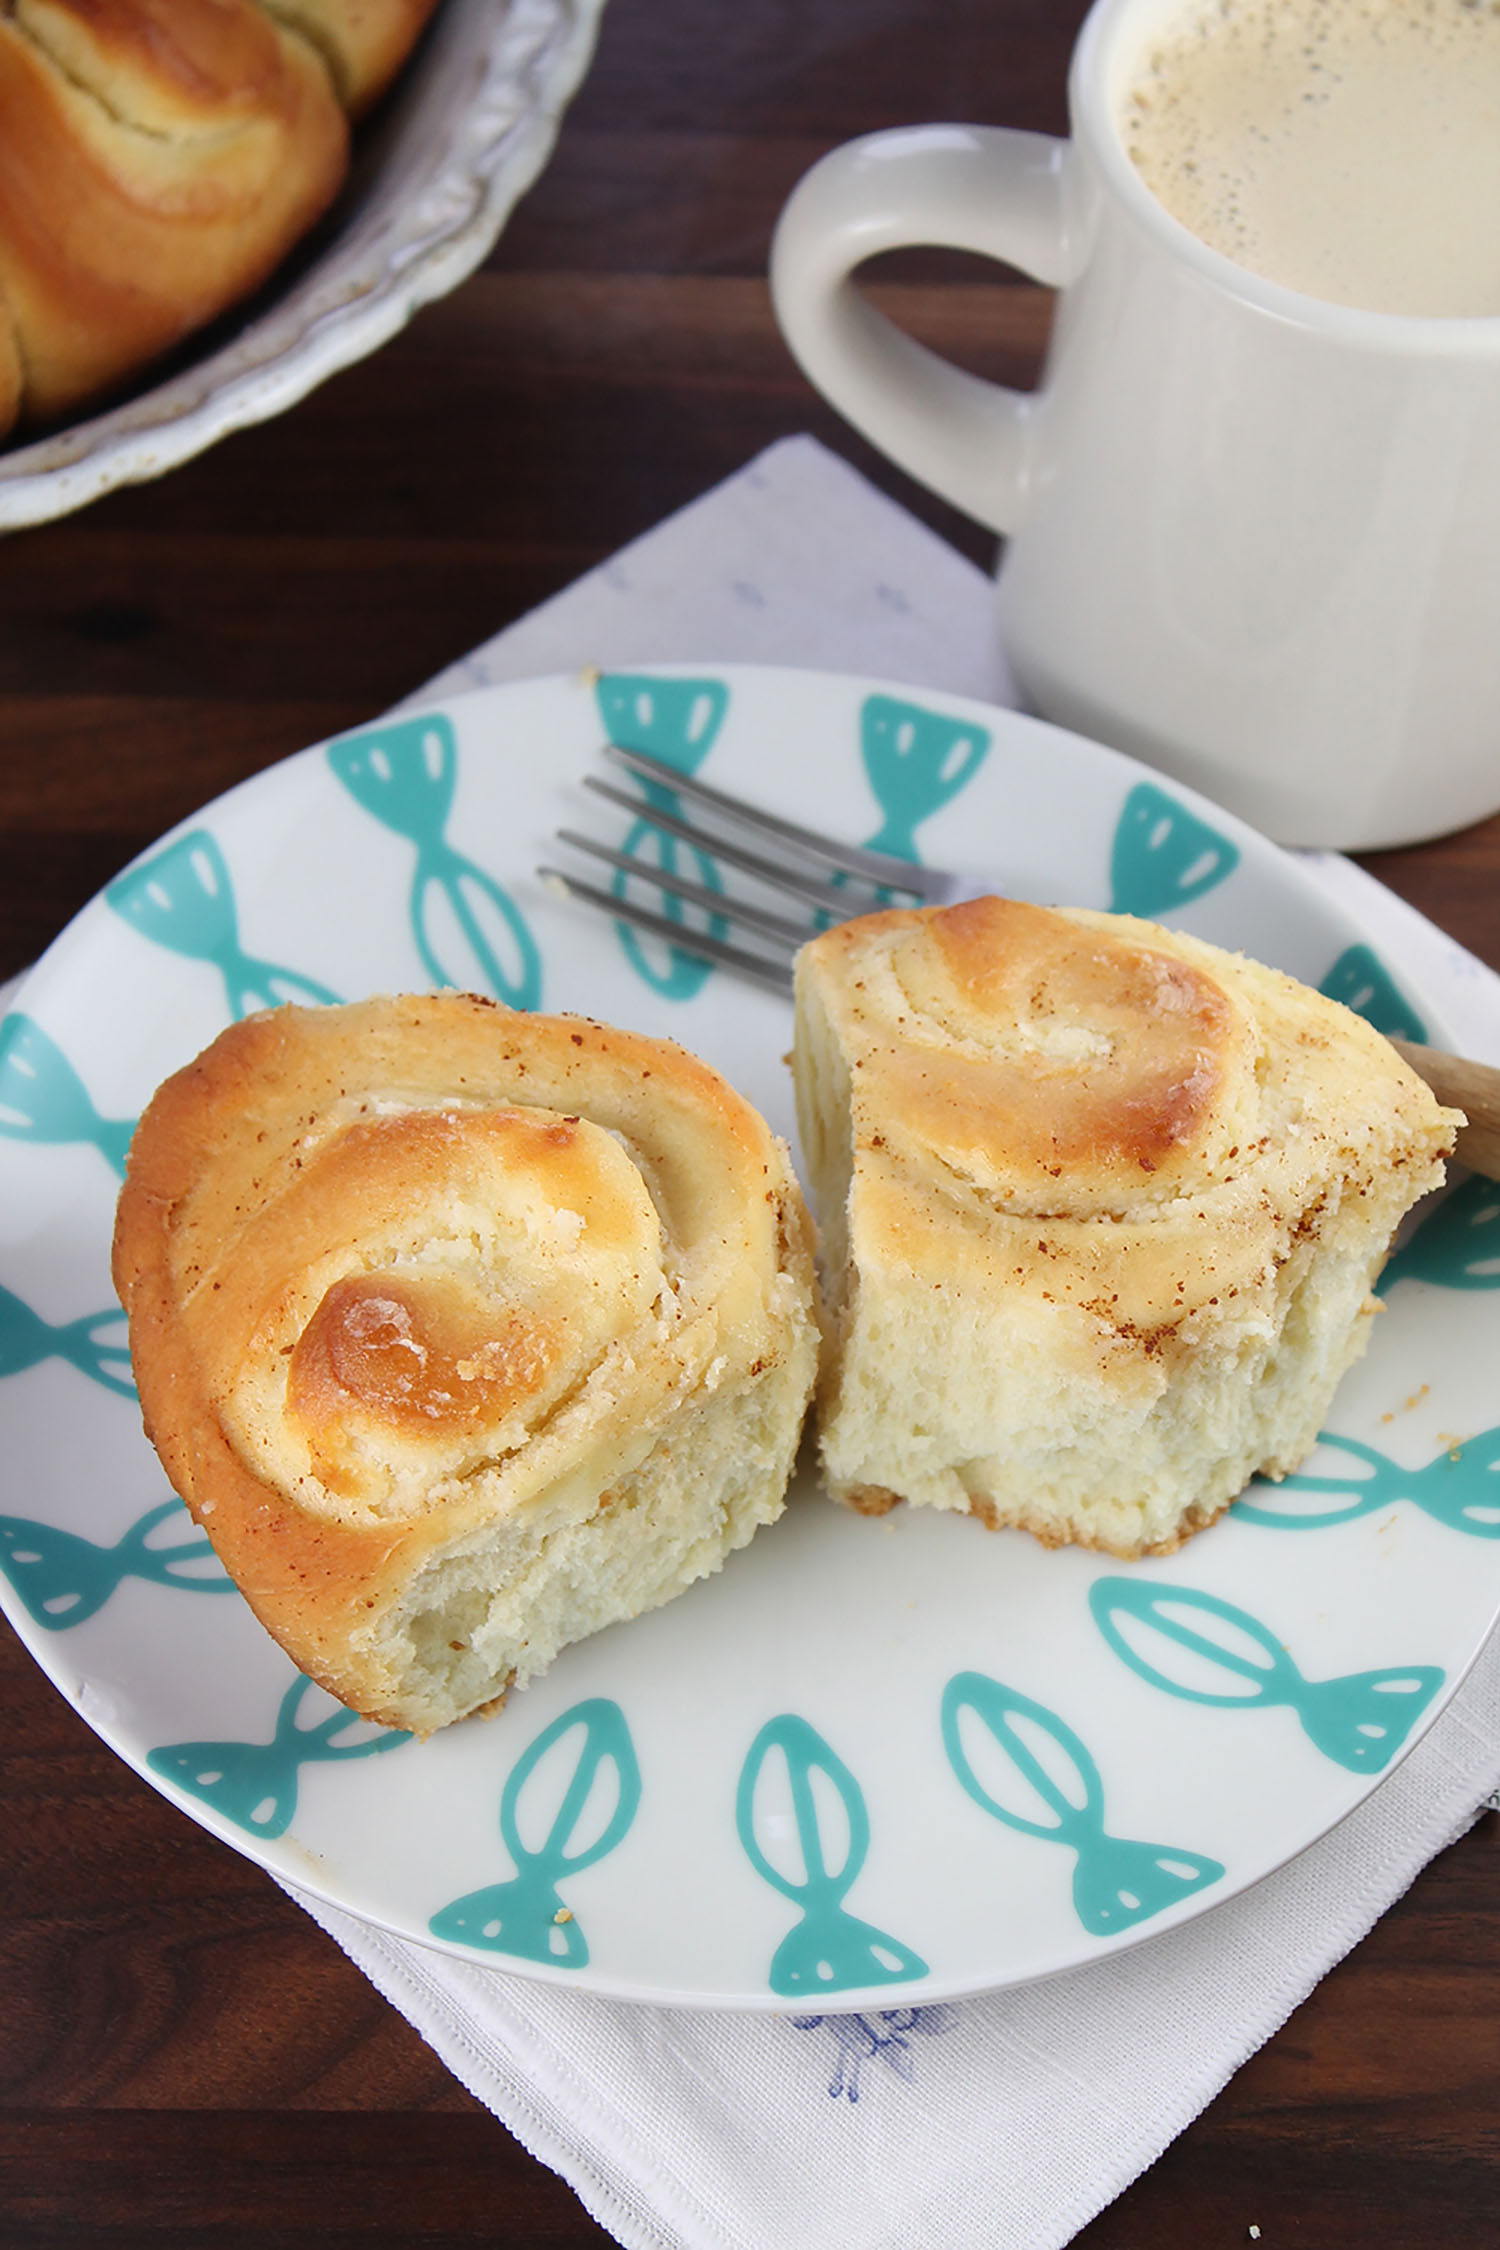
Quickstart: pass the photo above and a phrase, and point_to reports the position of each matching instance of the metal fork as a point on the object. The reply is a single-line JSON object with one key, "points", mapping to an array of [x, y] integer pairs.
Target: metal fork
{"points": [[832, 882], [825, 880]]}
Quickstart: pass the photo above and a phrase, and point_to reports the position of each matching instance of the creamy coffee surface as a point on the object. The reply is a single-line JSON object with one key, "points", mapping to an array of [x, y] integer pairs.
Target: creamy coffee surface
{"points": [[1346, 148]]}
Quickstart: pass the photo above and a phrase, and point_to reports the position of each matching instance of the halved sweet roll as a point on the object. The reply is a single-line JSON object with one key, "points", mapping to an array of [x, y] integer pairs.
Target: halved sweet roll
{"points": [[462, 1333], [1101, 1209]]}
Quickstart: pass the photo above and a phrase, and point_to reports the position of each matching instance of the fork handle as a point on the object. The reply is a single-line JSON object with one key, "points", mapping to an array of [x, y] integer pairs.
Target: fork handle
{"points": [[1470, 1086]]}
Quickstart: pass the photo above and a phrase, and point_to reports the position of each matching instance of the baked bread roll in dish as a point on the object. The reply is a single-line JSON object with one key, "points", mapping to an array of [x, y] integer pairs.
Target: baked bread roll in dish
{"points": [[363, 42], [158, 159], [462, 1333], [1101, 1207]]}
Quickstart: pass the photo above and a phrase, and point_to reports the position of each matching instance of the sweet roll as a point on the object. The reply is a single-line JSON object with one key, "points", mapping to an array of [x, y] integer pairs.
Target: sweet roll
{"points": [[1101, 1208], [462, 1333]]}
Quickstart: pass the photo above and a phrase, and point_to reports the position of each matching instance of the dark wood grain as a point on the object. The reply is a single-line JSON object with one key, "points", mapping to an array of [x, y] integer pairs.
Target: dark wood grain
{"points": [[186, 2062]]}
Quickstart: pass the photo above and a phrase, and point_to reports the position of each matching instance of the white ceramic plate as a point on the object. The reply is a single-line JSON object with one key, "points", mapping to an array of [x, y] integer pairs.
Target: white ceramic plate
{"points": [[467, 130], [870, 1761]]}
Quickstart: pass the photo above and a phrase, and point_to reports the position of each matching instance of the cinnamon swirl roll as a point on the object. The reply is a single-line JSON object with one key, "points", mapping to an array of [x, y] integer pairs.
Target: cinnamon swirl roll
{"points": [[462, 1333], [1101, 1208]]}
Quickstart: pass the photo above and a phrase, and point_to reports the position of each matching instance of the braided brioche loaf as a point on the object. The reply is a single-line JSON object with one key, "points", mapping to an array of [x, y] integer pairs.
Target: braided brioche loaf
{"points": [[462, 1333], [158, 159], [1101, 1208]]}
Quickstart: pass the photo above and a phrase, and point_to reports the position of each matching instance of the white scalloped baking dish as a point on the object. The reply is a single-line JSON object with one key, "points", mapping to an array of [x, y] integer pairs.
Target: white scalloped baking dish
{"points": [[467, 132]]}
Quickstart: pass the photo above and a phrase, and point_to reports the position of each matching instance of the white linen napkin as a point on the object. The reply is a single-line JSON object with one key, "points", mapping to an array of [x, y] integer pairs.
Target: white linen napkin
{"points": [[1001, 2123]]}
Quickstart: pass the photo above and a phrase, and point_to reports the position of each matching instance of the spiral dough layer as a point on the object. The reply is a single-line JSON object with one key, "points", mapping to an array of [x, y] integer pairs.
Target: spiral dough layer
{"points": [[462, 1332]]}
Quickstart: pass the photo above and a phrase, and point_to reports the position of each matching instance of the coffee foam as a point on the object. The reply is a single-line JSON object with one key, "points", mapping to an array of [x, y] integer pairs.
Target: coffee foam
{"points": [[1349, 149]]}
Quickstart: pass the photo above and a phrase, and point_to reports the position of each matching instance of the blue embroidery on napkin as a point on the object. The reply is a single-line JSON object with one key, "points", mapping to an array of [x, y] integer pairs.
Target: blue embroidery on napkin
{"points": [[885, 2036]]}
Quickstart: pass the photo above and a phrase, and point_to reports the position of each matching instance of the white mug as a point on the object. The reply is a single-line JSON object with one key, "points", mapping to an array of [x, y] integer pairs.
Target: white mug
{"points": [[1252, 537]]}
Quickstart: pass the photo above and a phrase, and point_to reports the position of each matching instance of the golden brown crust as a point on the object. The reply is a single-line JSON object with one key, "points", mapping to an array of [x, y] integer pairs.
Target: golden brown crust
{"points": [[1041, 1091], [871, 1499], [1013, 1049], [155, 165], [12, 374], [158, 159], [401, 1271], [363, 42]]}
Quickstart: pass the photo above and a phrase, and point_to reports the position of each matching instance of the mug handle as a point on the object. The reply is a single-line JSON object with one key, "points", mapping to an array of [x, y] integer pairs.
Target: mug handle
{"points": [[967, 187]]}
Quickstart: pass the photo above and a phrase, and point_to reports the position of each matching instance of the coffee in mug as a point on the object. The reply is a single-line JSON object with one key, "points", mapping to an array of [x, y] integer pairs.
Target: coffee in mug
{"points": [[1250, 523], [1346, 148]]}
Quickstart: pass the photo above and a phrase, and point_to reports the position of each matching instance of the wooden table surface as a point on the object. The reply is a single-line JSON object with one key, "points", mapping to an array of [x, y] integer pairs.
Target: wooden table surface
{"points": [[187, 2063]]}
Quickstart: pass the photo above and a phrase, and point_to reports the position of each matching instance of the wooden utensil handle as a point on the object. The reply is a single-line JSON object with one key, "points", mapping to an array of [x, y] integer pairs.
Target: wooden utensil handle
{"points": [[1470, 1086]]}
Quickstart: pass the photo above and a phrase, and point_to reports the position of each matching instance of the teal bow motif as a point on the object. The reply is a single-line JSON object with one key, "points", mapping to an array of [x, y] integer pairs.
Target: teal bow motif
{"points": [[916, 762], [26, 1339], [404, 774], [1360, 1720], [1457, 1245], [1362, 982], [1459, 1488], [255, 1784], [183, 899], [1116, 1883], [1164, 856], [42, 1097], [62, 1578], [828, 1950], [677, 721], [525, 1917]]}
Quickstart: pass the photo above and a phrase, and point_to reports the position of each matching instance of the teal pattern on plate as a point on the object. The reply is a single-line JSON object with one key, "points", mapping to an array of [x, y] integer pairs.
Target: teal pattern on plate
{"points": [[526, 1916], [26, 1340], [917, 761], [1457, 1246], [1459, 1488], [183, 899], [255, 1784], [829, 1950], [63, 1578], [1362, 982], [1164, 856], [405, 774], [1359, 1720], [1116, 1882], [42, 1097], [677, 721]]}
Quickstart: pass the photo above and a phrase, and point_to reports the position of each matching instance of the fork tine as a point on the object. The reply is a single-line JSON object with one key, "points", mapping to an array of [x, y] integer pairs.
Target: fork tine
{"points": [[754, 968], [881, 869], [773, 926], [824, 896]]}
